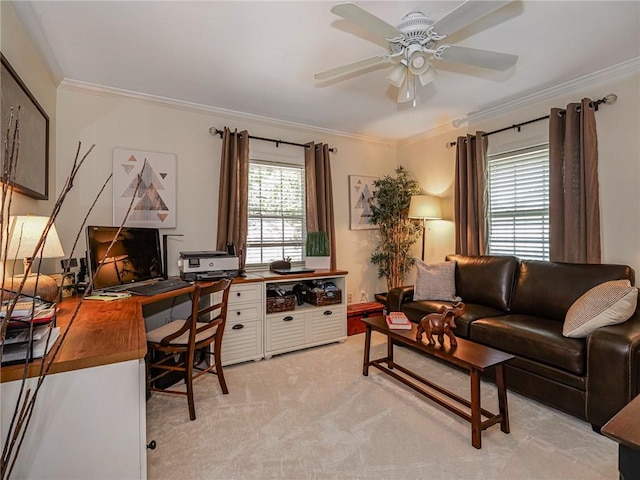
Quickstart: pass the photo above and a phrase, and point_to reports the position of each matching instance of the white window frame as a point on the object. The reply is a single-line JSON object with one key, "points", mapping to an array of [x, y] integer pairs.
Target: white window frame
{"points": [[283, 163], [518, 202]]}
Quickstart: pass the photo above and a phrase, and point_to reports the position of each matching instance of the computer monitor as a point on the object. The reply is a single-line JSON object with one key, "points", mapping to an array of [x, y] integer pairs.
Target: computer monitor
{"points": [[134, 258]]}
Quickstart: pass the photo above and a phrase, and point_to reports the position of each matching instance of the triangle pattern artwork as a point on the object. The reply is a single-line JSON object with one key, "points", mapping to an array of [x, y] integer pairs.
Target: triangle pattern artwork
{"points": [[153, 174], [361, 195]]}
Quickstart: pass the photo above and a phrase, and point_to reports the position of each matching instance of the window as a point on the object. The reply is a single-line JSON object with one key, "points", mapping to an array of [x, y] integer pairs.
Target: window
{"points": [[277, 221], [518, 184]]}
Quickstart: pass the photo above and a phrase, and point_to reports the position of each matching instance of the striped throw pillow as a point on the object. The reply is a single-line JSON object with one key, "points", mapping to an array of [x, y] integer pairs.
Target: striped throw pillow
{"points": [[609, 303]]}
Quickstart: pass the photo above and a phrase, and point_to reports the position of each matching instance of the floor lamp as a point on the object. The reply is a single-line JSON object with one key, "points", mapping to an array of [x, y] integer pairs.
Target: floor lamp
{"points": [[425, 207]]}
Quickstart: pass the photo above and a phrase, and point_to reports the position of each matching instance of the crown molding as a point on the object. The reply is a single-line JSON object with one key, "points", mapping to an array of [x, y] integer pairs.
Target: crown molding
{"points": [[613, 72], [442, 129], [138, 97]]}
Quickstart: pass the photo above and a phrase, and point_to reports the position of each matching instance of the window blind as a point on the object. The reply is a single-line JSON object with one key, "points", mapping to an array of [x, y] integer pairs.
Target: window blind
{"points": [[277, 221], [518, 210]]}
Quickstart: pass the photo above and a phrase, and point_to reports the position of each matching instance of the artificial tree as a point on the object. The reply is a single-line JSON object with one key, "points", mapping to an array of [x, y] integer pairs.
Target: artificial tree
{"points": [[389, 208]]}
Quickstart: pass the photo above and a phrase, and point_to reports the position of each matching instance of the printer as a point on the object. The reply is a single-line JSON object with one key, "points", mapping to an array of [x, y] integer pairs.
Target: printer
{"points": [[207, 265]]}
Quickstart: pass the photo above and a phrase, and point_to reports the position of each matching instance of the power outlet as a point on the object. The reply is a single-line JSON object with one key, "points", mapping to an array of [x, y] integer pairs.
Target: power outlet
{"points": [[349, 297], [363, 296]]}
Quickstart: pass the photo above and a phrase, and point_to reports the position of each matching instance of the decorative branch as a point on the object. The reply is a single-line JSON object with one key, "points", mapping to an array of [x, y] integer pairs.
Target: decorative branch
{"points": [[29, 401]]}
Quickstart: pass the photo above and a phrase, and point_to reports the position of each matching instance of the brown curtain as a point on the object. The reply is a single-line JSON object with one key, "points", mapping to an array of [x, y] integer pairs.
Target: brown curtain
{"points": [[319, 194], [233, 195], [470, 192], [574, 204]]}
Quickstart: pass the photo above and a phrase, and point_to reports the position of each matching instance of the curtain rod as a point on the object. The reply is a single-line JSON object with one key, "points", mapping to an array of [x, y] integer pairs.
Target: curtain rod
{"points": [[609, 99], [215, 131]]}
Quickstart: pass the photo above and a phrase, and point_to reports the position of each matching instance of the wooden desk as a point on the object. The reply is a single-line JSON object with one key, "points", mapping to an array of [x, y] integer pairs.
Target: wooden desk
{"points": [[90, 417], [102, 333]]}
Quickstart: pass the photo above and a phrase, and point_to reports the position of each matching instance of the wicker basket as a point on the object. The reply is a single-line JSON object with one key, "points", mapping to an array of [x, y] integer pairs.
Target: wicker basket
{"points": [[281, 304], [320, 298]]}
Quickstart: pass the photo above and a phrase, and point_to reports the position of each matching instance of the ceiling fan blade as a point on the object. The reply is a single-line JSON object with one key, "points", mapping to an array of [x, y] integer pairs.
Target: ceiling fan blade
{"points": [[477, 57], [353, 67], [464, 15], [355, 14]]}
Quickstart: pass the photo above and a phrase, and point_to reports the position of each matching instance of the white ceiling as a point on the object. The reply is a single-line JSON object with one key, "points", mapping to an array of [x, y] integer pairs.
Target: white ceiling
{"points": [[260, 57]]}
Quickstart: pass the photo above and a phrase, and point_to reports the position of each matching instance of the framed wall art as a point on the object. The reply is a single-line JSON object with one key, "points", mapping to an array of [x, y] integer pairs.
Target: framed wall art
{"points": [[32, 167], [360, 196], [154, 204]]}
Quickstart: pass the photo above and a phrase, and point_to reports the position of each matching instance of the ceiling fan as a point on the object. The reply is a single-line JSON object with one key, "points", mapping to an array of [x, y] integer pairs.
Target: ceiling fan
{"points": [[413, 45]]}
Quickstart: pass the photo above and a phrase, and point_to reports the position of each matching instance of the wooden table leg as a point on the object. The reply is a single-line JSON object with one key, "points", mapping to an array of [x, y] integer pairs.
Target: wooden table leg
{"points": [[367, 348], [389, 352], [476, 413], [502, 398]]}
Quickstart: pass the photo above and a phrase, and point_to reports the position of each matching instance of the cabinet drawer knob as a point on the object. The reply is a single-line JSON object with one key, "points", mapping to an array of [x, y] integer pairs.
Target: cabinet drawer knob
{"points": [[238, 294], [238, 313], [287, 318], [327, 312], [237, 326]]}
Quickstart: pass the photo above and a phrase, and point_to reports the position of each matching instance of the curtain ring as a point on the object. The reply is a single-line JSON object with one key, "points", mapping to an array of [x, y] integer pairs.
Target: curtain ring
{"points": [[561, 113]]}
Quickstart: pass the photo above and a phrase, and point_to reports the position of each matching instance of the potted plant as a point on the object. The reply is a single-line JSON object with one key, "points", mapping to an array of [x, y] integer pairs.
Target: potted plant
{"points": [[389, 208], [317, 253]]}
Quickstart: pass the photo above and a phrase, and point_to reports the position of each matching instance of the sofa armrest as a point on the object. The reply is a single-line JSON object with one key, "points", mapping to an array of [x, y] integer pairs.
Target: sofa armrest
{"points": [[397, 296], [613, 369]]}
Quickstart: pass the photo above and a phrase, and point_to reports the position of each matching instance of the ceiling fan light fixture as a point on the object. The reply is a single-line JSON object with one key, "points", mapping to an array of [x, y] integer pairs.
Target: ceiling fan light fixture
{"points": [[428, 76], [417, 59], [397, 75]]}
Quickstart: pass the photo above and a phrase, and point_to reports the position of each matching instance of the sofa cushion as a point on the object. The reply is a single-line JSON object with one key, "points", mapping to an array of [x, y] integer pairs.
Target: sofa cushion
{"points": [[609, 303], [548, 289], [535, 338], [416, 310], [435, 282], [485, 280]]}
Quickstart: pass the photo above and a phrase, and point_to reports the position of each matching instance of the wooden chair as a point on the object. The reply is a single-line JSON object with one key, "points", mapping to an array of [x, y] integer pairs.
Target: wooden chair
{"points": [[182, 338]]}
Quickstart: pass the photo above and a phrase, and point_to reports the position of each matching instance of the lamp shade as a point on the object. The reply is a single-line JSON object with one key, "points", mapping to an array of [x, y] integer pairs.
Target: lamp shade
{"points": [[24, 233], [425, 207]]}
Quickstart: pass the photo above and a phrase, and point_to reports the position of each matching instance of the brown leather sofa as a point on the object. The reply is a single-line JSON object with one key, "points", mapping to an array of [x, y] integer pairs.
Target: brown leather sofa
{"points": [[519, 306]]}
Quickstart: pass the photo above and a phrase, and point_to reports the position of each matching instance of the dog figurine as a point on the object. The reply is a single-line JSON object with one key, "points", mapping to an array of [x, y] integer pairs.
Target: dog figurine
{"points": [[441, 324]]}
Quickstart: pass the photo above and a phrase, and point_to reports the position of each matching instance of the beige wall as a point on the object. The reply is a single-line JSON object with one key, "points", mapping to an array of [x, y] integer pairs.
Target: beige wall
{"points": [[108, 119], [21, 53], [619, 164]]}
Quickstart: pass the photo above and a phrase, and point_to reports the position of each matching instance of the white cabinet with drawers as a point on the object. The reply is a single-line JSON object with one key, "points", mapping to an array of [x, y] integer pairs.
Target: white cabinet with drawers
{"points": [[243, 334], [307, 325]]}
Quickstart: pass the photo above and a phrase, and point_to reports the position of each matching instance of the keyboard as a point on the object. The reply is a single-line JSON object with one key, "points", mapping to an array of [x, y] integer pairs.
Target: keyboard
{"points": [[161, 286]]}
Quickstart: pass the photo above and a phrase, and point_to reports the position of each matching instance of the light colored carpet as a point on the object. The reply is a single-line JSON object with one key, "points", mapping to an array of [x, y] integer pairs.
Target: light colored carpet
{"points": [[313, 415]]}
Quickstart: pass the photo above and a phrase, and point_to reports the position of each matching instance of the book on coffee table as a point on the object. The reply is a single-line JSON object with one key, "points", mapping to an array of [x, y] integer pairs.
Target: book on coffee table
{"points": [[398, 317], [395, 322]]}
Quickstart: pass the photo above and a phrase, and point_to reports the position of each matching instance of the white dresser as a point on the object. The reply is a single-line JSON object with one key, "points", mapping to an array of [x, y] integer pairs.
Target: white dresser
{"points": [[307, 325], [252, 334], [243, 334]]}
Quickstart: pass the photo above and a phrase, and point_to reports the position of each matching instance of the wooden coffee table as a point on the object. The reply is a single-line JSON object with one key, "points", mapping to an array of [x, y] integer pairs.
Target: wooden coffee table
{"points": [[470, 356]]}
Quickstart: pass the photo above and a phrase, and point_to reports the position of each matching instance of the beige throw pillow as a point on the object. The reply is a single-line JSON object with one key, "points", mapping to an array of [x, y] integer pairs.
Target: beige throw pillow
{"points": [[435, 282], [609, 303]]}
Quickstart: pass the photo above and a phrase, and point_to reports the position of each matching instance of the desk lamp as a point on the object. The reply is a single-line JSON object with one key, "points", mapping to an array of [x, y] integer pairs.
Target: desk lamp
{"points": [[25, 232], [425, 207]]}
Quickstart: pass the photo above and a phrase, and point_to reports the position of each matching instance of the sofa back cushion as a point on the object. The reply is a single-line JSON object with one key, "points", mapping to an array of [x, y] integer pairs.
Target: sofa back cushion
{"points": [[487, 280], [548, 289]]}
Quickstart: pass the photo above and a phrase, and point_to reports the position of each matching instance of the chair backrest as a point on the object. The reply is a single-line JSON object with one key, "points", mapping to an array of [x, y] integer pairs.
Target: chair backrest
{"points": [[201, 315], [199, 321]]}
